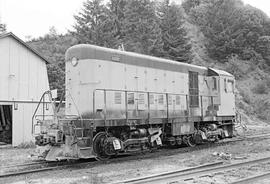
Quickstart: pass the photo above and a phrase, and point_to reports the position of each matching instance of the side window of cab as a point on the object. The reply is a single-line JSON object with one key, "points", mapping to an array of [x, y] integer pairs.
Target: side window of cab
{"points": [[214, 84], [229, 86]]}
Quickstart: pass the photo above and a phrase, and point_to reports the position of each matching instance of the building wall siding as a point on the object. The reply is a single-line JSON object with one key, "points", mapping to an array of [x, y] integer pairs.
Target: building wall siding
{"points": [[23, 77]]}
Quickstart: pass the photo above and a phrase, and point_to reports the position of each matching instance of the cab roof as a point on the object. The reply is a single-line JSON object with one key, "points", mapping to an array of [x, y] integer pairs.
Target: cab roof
{"points": [[217, 72]]}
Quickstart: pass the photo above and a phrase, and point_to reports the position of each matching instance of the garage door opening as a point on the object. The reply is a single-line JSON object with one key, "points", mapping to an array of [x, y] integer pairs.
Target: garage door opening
{"points": [[5, 124]]}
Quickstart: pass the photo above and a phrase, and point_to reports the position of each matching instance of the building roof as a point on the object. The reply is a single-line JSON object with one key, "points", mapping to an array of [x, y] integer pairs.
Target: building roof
{"points": [[10, 34]]}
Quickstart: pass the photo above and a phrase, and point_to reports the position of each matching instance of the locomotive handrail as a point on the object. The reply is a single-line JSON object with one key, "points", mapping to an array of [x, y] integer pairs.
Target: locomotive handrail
{"points": [[58, 118], [182, 94], [42, 97], [188, 106], [75, 105], [139, 118], [60, 102]]}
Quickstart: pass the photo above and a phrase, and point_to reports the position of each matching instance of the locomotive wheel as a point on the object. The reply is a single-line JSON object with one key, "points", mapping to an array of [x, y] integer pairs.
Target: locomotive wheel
{"points": [[98, 146], [190, 141], [178, 141]]}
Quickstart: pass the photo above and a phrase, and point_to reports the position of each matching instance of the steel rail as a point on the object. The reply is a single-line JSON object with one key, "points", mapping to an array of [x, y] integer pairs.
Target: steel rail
{"points": [[25, 164], [249, 137], [183, 176], [253, 179], [132, 157], [29, 171], [142, 179]]}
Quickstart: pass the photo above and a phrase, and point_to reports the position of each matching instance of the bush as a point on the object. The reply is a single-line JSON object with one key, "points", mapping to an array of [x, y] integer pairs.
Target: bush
{"points": [[24, 145], [261, 88], [262, 109], [245, 96], [267, 81], [235, 67]]}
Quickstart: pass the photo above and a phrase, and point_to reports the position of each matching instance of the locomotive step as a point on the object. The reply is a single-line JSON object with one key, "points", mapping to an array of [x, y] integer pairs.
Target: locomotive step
{"points": [[83, 138], [85, 148]]}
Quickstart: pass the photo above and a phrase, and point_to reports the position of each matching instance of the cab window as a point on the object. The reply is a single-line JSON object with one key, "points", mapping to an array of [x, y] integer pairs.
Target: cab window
{"points": [[225, 85], [214, 84], [230, 86]]}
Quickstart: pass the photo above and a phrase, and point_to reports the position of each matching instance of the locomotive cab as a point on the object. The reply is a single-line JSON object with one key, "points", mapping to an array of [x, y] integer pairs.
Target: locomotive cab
{"points": [[223, 86]]}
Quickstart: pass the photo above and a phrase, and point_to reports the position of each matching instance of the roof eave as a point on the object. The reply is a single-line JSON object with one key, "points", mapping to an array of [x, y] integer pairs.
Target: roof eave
{"points": [[25, 44]]}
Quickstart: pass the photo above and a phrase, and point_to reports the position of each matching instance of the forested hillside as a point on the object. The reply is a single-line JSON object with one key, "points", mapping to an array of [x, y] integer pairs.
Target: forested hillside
{"points": [[225, 34], [235, 37]]}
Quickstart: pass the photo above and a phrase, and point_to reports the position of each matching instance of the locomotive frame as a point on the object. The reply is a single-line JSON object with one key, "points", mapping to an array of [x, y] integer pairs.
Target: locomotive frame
{"points": [[112, 117]]}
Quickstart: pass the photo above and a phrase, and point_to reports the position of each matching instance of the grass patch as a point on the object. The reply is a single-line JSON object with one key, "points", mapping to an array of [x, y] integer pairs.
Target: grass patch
{"points": [[29, 144]]}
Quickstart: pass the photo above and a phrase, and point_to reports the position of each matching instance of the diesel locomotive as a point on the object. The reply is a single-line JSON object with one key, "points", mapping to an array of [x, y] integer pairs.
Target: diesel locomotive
{"points": [[119, 102]]}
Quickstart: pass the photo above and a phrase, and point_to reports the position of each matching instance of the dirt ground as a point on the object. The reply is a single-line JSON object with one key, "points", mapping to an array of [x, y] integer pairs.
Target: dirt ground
{"points": [[151, 163]]}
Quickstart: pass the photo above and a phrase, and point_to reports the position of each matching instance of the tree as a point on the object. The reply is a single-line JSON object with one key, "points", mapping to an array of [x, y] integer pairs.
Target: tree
{"points": [[263, 47], [53, 32], [3, 28], [230, 27], [189, 4], [93, 24], [53, 47], [141, 29], [116, 16], [176, 43]]}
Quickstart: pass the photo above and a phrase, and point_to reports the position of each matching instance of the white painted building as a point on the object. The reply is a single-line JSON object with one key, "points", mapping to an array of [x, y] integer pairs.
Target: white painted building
{"points": [[23, 80]]}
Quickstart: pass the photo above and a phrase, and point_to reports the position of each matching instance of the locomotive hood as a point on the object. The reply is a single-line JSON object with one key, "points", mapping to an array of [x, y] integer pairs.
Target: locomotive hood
{"points": [[87, 51]]}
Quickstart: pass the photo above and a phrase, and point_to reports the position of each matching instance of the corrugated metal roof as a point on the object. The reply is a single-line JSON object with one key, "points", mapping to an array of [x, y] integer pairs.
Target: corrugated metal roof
{"points": [[4, 35]]}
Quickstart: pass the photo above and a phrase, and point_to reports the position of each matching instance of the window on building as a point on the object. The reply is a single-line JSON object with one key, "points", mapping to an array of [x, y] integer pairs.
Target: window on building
{"points": [[193, 89]]}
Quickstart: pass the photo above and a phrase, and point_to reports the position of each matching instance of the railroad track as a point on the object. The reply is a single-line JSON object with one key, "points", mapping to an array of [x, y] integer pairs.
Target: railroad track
{"points": [[244, 138], [253, 179], [34, 167], [27, 168], [170, 151], [33, 163], [188, 174]]}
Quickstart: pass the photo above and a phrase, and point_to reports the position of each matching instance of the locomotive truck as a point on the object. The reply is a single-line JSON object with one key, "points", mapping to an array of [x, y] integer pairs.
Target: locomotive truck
{"points": [[119, 102]]}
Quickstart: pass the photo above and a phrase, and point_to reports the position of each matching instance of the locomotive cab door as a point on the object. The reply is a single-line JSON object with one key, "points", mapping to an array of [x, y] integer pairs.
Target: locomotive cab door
{"points": [[186, 126]]}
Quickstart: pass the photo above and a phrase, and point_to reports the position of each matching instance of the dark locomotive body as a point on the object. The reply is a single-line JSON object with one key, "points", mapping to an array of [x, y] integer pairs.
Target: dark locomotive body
{"points": [[120, 103]]}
